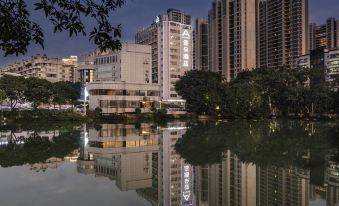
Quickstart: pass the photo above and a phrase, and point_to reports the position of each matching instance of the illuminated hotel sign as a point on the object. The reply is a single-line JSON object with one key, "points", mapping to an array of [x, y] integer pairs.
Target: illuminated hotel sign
{"points": [[186, 36], [187, 188]]}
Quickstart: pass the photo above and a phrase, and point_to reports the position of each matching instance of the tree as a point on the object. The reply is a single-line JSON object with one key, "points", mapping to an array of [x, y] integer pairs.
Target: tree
{"points": [[63, 93], [14, 88], [18, 31], [202, 91], [245, 100], [2, 96], [37, 91], [317, 76]]}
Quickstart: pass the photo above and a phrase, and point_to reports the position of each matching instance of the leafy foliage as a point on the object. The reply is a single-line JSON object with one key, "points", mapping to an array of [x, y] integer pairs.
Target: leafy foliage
{"points": [[2, 95], [18, 31], [259, 93], [14, 88], [63, 93], [201, 90], [37, 91]]}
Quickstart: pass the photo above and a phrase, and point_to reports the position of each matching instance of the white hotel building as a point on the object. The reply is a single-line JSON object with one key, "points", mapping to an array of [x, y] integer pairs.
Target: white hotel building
{"points": [[171, 39]]}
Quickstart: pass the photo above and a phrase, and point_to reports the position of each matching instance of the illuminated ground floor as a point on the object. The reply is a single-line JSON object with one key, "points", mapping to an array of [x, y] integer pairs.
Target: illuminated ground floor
{"points": [[121, 97]]}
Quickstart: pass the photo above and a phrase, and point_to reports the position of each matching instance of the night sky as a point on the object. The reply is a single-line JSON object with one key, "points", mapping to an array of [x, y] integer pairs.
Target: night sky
{"points": [[137, 14]]}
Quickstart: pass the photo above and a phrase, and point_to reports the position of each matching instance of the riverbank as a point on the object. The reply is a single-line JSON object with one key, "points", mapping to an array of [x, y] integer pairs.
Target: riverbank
{"points": [[45, 116], [41, 115], [72, 117]]}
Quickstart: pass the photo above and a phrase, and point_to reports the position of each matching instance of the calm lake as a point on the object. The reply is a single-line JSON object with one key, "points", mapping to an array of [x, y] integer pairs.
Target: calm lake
{"points": [[243, 163]]}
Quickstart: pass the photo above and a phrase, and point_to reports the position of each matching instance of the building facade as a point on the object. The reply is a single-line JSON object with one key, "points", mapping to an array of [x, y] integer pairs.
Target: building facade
{"points": [[41, 66], [171, 39], [122, 97], [332, 67], [123, 81], [282, 33], [232, 41], [131, 64], [324, 36], [327, 60], [200, 41], [86, 68]]}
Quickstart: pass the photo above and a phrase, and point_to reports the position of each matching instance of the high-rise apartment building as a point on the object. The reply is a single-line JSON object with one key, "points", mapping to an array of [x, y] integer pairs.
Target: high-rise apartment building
{"points": [[324, 36], [200, 52], [318, 37], [171, 39], [232, 40], [332, 32], [282, 33]]}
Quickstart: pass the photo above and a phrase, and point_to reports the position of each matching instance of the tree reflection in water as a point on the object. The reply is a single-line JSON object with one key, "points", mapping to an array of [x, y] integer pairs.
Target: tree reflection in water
{"points": [[264, 143], [237, 163], [264, 163], [31, 144]]}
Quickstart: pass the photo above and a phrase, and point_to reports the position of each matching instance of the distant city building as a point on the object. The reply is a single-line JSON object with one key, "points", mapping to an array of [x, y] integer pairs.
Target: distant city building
{"points": [[303, 61], [324, 36], [200, 52], [171, 39], [282, 33], [324, 59], [41, 66], [123, 81], [86, 68], [232, 40], [332, 67], [314, 60]]}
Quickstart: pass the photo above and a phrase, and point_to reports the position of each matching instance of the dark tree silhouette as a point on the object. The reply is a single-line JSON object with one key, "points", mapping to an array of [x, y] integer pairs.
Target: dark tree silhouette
{"points": [[18, 30]]}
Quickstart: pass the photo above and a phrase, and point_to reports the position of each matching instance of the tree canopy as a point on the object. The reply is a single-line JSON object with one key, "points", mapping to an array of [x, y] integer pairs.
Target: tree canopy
{"points": [[258, 93], [37, 91], [201, 90], [18, 30]]}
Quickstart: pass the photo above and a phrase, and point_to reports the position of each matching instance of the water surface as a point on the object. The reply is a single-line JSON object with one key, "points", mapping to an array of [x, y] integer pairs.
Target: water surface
{"points": [[209, 164]]}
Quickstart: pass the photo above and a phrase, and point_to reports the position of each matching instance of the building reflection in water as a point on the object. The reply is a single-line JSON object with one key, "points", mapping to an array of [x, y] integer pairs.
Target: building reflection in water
{"points": [[228, 183], [143, 158]]}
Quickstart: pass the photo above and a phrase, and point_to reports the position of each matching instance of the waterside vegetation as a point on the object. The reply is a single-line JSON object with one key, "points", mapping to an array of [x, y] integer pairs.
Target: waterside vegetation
{"points": [[260, 93]]}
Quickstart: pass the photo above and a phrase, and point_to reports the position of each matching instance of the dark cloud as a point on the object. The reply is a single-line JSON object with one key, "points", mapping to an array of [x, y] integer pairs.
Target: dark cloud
{"points": [[137, 14]]}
